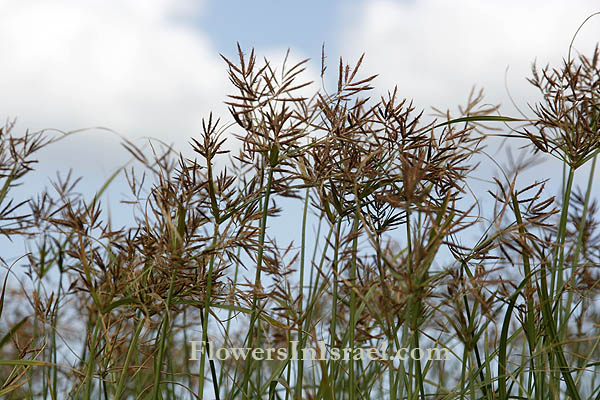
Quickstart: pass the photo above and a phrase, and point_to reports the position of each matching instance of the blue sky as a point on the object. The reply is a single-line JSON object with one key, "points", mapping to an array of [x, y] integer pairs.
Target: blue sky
{"points": [[300, 25]]}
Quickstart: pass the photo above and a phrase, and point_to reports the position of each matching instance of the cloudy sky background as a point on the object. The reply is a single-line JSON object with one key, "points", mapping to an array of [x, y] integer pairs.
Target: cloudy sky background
{"points": [[152, 67]]}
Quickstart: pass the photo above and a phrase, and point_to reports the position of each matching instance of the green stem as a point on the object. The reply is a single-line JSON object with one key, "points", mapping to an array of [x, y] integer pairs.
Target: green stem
{"points": [[92, 359], [579, 245], [352, 326], [257, 284], [334, 300], [557, 276], [130, 351], [161, 339], [529, 317], [300, 297], [207, 311]]}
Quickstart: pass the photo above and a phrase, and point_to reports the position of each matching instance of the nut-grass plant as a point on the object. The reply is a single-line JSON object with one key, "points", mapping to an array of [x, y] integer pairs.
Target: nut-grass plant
{"points": [[128, 311]]}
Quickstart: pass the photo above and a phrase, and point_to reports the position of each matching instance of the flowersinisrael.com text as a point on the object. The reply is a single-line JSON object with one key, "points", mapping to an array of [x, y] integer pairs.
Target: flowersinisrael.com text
{"points": [[322, 352]]}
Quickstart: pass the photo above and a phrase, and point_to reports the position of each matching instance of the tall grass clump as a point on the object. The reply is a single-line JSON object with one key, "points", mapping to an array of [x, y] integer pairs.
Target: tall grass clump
{"points": [[392, 257]]}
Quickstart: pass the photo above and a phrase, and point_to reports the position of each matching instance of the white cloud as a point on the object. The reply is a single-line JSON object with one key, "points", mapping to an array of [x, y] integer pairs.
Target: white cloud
{"points": [[138, 67], [435, 50]]}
